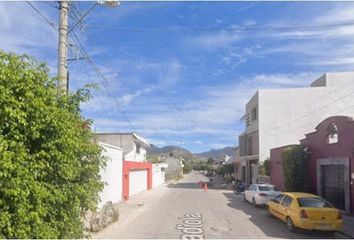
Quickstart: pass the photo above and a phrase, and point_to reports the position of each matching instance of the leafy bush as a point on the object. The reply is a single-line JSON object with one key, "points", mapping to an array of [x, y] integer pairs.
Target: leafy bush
{"points": [[201, 166], [49, 166], [226, 168], [187, 167], [265, 168], [295, 169]]}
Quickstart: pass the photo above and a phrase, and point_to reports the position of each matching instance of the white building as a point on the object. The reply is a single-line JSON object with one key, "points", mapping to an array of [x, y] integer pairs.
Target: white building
{"points": [[134, 146], [111, 175], [278, 117]]}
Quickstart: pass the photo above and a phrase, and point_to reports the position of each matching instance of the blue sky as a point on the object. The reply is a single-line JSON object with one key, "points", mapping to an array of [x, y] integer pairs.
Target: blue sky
{"points": [[183, 71]]}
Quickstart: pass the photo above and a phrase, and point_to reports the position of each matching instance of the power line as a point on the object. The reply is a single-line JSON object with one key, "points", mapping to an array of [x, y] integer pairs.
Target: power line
{"points": [[104, 80], [320, 108], [109, 90], [42, 15], [308, 124], [241, 28]]}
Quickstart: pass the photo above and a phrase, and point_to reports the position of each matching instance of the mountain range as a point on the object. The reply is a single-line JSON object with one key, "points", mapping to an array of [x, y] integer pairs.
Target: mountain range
{"points": [[216, 154]]}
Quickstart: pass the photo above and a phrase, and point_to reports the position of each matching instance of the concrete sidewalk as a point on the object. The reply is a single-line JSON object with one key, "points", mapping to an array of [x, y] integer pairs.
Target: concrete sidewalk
{"points": [[132, 208], [348, 227]]}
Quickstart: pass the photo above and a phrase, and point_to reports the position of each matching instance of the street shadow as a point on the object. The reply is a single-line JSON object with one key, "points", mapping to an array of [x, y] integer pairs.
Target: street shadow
{"points": [[271, 226], [188, 185]]}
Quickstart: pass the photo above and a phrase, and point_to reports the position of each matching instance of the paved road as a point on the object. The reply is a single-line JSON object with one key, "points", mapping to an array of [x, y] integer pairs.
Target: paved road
{"points": [[184, 210]]}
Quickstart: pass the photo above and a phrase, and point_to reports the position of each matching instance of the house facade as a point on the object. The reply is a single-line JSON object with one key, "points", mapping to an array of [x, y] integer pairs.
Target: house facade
{"points": [[330, 152], [134, 146], [137, 172], [278, 117]]}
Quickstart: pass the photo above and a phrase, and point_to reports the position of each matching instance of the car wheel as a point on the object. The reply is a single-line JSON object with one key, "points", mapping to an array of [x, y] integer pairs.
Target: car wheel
{"points": [[254, 202], [290, 225], [244, 197], [269, 213]]}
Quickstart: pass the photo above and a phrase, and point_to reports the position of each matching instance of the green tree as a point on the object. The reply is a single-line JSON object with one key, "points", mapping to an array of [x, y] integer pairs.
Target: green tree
{"points": [[187, 167], [295, 169], [210, 160], [49, 165], [265, 168]]}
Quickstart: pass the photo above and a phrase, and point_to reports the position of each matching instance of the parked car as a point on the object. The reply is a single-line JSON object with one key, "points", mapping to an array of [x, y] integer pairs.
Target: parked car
{"points": [[260, 194], [306, 211]]}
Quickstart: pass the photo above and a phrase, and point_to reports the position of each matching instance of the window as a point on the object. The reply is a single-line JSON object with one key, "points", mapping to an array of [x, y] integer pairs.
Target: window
{"points": [[248, 122], [313, 202], [287, 201], [137, 148], [249, 146], [267, 188], [332, 136], [278, 198], [254, 114]]}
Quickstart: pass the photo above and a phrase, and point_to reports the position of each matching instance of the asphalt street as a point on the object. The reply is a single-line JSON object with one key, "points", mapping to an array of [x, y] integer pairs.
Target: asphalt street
{"points": [[183, 210]]}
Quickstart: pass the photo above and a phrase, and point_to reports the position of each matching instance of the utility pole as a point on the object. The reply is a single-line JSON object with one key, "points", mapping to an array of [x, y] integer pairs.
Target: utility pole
{"points": [[63, 46]]}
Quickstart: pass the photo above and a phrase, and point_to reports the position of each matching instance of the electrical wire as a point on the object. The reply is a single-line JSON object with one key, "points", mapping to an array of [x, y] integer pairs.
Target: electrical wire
{"points": [[240, 28], [42, 15]]}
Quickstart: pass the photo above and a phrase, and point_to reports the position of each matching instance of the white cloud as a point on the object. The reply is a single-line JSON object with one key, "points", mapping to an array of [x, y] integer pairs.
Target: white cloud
{"points": [[220, 39], [23, 31], [216, 111]]}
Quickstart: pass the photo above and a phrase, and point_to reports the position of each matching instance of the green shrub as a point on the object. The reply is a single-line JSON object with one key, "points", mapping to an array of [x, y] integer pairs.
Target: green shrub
{"points": [[265, 168], [187, 167], [49, 166], [295, 169], [226, 169]]}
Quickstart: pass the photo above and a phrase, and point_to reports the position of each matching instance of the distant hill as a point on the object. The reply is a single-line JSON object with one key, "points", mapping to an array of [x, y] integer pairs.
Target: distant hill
{"points": [[176, 151], [216, 154]]}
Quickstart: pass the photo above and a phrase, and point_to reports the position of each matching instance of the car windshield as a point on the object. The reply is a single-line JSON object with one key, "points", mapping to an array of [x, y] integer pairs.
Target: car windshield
{"points": [[313, 202], [267, 188]]}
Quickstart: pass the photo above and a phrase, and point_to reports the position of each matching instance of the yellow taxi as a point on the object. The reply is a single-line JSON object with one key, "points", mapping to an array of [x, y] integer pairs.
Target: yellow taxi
{"points": [[306, 211]]}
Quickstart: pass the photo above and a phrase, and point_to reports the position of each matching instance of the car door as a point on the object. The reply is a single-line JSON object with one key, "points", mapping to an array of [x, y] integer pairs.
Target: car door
{"points": [[255, 193], [275, 205], [248, 193], [283, 207]]}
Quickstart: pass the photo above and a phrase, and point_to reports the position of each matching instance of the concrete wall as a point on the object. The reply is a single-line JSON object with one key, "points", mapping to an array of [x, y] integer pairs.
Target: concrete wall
{"points": [[158, 175], [174, 168], [281, 116], [111, 174]]}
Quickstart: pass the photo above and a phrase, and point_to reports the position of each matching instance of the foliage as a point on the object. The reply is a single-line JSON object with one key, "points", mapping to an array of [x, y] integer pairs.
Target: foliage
{"points": [[295, 169], [201, 166], [187, 167], [226, 169], [49, 165], [210, 160], [265, 168], [154, 159]]}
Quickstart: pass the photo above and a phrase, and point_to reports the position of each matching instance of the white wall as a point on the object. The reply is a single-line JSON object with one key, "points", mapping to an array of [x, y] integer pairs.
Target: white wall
{"points": [[111, 174], [158, 174], [141, 157], [137, 181], [286, 115]]}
